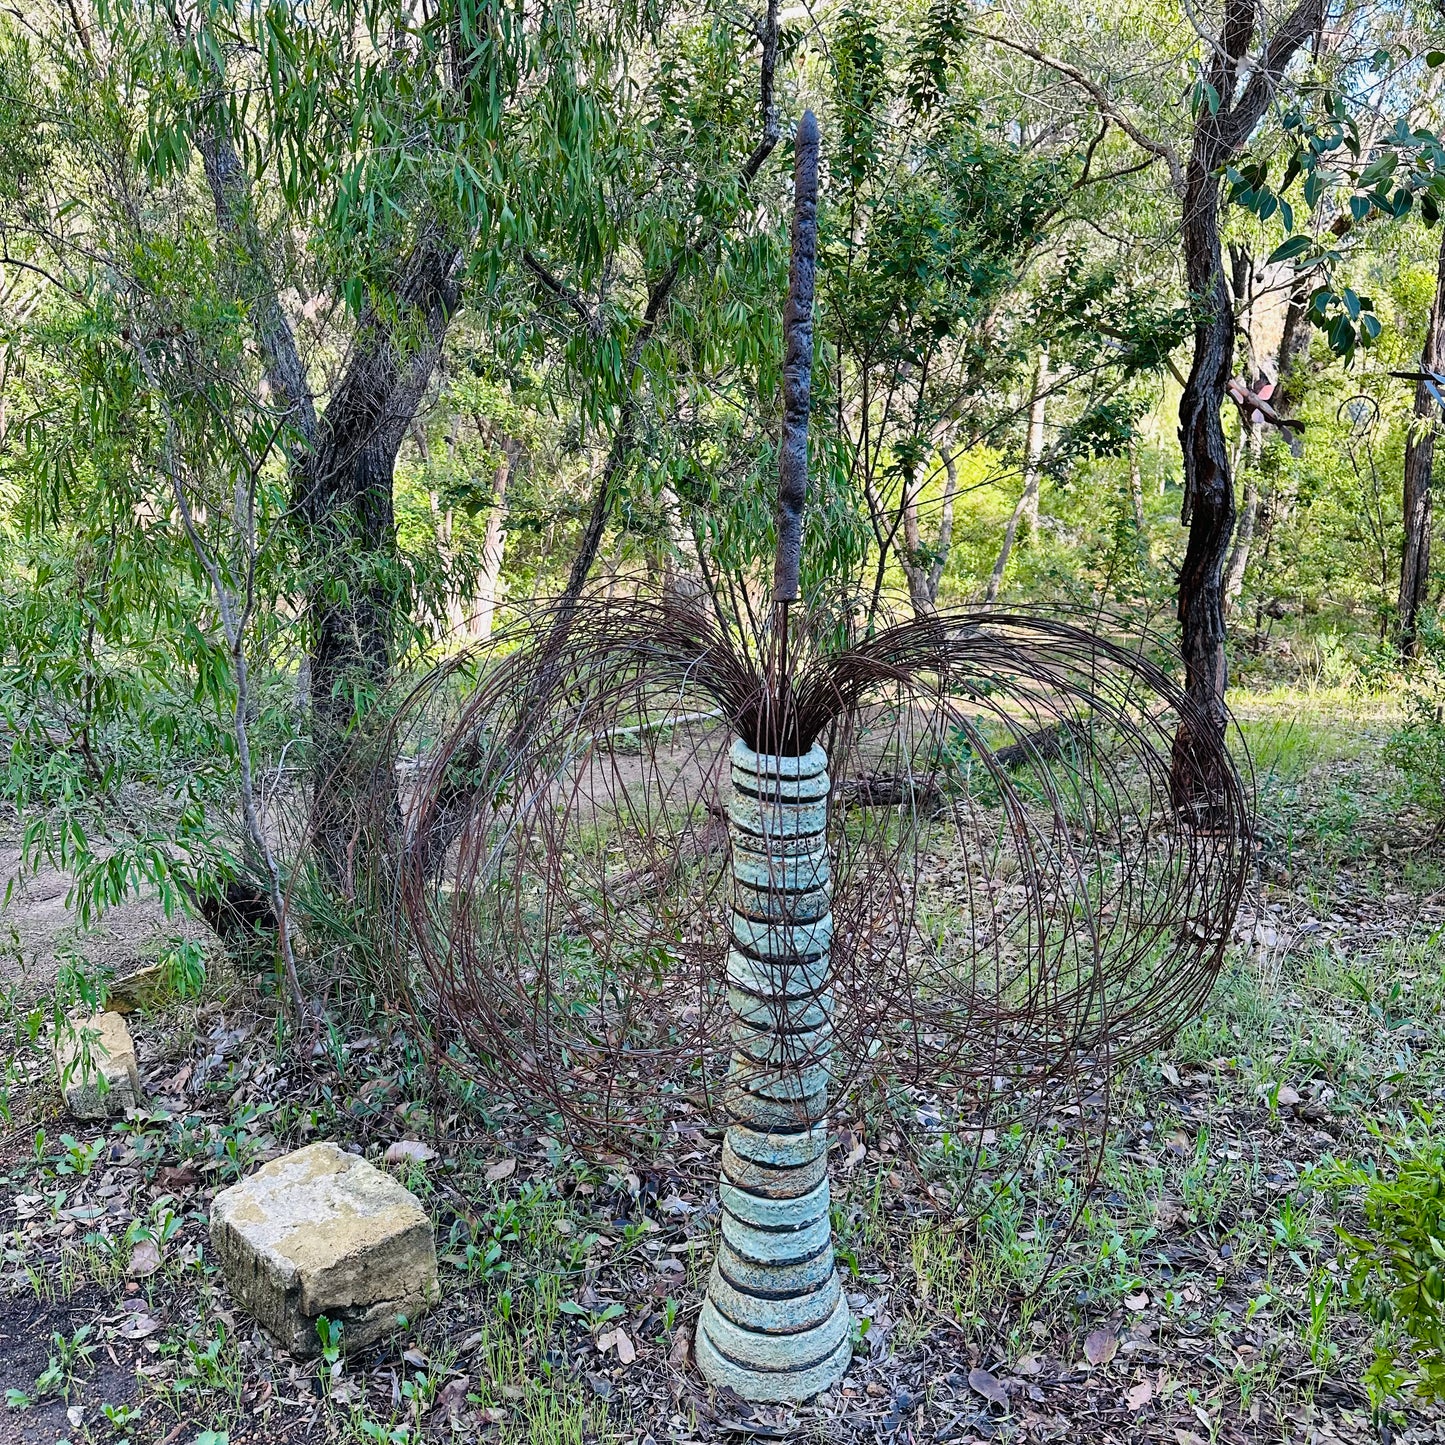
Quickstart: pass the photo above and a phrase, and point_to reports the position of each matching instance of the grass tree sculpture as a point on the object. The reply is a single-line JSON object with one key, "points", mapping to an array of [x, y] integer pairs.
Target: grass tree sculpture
{"points": [[666, 873]]}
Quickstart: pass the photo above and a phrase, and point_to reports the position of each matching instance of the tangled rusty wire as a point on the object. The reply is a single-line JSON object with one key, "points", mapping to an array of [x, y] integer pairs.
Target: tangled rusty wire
{"points": [[1018, 905], [1018, 902]]}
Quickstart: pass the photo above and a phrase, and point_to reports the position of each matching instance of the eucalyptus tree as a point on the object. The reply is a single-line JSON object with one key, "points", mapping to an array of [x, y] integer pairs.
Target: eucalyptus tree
{"points": [[269, 219], [653, 259], [1303, 81], [1419, 470], [930, 216], [262, 222]]}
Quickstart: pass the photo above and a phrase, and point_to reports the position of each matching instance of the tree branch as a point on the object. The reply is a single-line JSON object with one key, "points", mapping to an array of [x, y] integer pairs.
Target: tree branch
{"points": [[236, 218], [1098, 94], [1304, 21], [767, 102], [233, 627], [657, 298], [564, 294]]}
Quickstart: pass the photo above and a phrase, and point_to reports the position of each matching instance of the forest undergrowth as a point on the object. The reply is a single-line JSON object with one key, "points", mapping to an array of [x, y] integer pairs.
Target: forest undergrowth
{"points": [[1207, 1288]]}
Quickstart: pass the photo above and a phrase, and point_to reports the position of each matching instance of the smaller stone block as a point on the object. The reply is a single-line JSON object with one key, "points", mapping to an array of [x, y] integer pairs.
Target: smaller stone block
{"points": [[96, 1064], [322, 1232], [145, 988]]}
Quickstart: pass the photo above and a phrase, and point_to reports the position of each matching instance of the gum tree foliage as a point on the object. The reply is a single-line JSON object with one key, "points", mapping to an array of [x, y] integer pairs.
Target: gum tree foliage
{"points": [[293, 245], [941, 206], [251, 230]]}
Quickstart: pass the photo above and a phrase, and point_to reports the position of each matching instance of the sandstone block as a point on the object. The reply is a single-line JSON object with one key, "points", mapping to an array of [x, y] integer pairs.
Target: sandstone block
{"points": [[145, 988], [322, 1232], [96, 1064]]}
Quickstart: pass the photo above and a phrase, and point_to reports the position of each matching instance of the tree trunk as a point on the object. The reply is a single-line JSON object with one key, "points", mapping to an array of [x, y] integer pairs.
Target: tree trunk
{"points": [[1293, 341], [489, 583], [1034, 449], [1027, 509], [924, 572], [1222, 127], [341, 473], [441, 526], [345, 497], [1243, 536], [1419, 468], [1208, 493], [1136, 501], [682, 576]]}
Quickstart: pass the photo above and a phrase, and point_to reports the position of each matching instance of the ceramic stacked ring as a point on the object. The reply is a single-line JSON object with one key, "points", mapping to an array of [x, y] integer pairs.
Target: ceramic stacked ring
{"points": [[775, 1324]]}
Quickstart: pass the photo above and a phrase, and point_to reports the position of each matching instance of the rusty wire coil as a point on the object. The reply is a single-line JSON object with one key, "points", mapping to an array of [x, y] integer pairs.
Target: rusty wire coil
{"points": [[1019, 904]]}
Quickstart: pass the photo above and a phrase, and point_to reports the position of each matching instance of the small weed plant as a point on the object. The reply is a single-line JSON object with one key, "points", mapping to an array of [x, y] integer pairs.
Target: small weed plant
{"points": [[1396, 1261]]}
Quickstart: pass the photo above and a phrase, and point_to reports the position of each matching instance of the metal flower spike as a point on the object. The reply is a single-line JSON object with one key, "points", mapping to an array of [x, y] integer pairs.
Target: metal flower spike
{"points": [[664, 870]]}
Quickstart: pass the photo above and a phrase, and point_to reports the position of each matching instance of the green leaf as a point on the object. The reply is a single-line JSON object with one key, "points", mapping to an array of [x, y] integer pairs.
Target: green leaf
{"points": [[1288, 250]]}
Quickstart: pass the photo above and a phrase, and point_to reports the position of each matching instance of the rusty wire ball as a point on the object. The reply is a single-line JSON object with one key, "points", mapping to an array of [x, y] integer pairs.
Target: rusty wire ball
{"points": [[1019, 905]]}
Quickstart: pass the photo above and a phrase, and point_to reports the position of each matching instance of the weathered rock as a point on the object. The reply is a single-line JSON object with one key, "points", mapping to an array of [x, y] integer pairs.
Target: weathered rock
{"points": [[322, 1232], [96, 1065], [145, 988]]}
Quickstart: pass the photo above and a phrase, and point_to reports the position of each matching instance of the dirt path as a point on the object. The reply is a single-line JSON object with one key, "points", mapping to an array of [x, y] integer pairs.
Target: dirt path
{"points": [[38, 925]]}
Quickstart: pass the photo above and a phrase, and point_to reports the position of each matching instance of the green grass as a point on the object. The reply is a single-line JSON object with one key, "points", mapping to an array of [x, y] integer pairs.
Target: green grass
{"points": [[1194, 1212]]}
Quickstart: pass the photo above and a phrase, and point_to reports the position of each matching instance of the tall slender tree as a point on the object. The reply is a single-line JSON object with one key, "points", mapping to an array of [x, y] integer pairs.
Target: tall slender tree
{"points": [[1230, 101], [1419, 470]]}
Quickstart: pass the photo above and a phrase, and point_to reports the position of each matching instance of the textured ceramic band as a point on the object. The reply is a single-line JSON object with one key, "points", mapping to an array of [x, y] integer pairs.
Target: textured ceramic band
{"points": [[775, 1324]]}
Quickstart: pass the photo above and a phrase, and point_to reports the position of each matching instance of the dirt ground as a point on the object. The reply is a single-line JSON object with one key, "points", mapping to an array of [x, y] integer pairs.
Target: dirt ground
{"points": [[1197, 1296], [39, 921]]}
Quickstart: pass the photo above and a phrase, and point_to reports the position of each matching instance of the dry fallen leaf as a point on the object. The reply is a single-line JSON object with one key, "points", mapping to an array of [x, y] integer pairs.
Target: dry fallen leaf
{"points": [[986, 1385], [502, 1169], [415, 1358], [1139, 1395], [408, 1149], [139, 1327], [1100, 1346], [452, 1399], [145, 1259], [1029, 1365], [854, 1149], [677, 1355], [1136, 1302], [1287, 1097], [626, 1350]]}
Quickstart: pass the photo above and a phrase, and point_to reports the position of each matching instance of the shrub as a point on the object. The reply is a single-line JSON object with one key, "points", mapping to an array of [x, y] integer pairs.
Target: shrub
{"points": [[1396, 1264]]}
